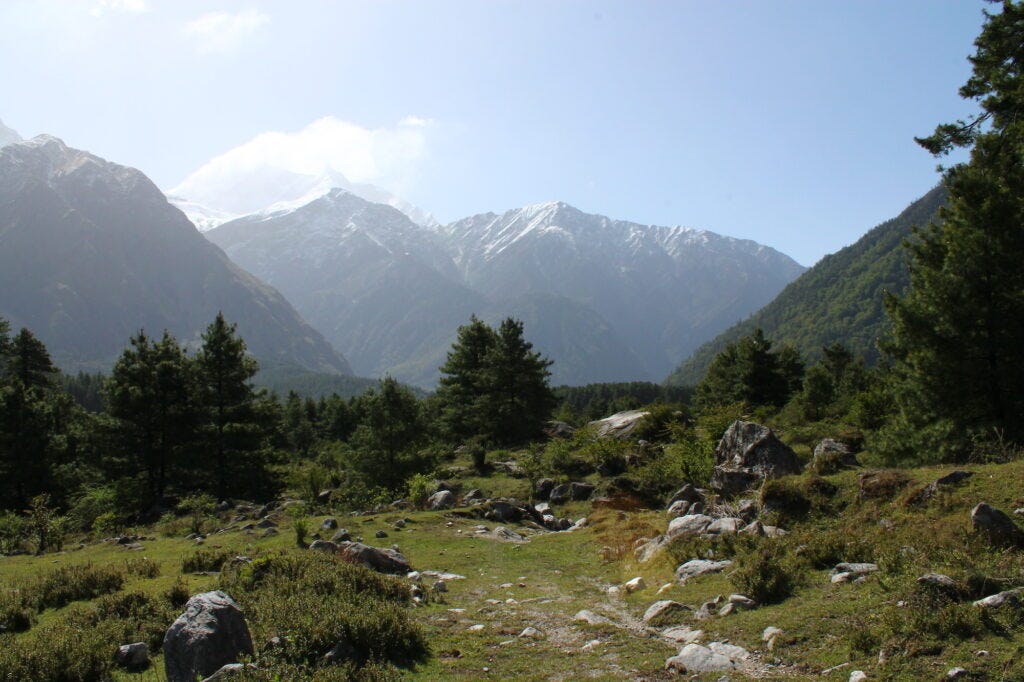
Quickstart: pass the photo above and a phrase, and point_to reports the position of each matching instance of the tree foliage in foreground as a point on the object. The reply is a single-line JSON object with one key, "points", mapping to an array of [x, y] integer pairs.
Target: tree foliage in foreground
{"points": [[958, 334]]}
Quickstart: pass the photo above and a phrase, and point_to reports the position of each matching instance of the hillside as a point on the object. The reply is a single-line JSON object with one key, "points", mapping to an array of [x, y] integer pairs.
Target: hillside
{"points": [[91, 252], [839, 299]]}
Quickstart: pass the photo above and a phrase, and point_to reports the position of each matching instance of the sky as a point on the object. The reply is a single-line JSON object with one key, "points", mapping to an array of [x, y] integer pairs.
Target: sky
{"points": [[789, 122]]}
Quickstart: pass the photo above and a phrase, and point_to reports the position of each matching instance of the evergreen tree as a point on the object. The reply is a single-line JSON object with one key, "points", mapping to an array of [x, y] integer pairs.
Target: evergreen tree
{"points": [[150, 395], [230, 432], [392, 429], [957, 342], [494, 386], [749, 372]]}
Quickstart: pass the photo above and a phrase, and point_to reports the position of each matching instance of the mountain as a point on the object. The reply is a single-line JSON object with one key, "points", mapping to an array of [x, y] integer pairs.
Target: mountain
{"points": [[90, 252], [219, 192], [8, 136], [664, 290], [621, 302], [839, 299], [376, 284]]}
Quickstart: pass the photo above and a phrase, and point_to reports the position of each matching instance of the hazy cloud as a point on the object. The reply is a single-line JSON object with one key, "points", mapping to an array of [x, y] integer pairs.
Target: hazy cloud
{"points": [[225, 32], [101, 7], [388, 156]]}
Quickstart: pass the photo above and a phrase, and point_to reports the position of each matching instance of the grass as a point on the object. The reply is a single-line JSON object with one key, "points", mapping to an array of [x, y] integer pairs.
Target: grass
{"points": [[542, 583]]}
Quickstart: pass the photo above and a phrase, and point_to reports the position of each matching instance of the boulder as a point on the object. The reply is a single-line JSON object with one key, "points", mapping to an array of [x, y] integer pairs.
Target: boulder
{"points": [[330, 523], [748, 454], [474, 495], [580, 491], [687, 493], [663, 612], [560, 494], [542, 489], [134, 657], [1012, 598], [591, 618], [691, 524], [678, 508], [374, 558], [557, 429], [324, 496], [941, 584], [696, 567], [716, 657], [619, 425], [831, 455], [341, 535], [211, 633], [324, 546], [770, 636], [681, 634], [442, 499], [998, 528]]}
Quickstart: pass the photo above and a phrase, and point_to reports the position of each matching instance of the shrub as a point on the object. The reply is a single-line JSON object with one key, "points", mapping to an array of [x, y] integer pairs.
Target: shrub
{"points": [[16, 613], [133, 616], [197, 508], [73, 583], [12, 532], [177, 595], [144, 567], [206, 560], [419, 488], [794, 498], [313, 601], [766, 571], [882, 484]]}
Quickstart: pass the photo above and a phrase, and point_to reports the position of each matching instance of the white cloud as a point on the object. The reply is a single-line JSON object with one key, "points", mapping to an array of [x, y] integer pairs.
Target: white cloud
{"points": [[223, 32], [101, 7], [388, 156]]}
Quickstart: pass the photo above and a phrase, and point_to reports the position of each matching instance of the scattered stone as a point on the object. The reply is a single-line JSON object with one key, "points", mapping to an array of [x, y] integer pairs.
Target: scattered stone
{"points": [[542, 488], [478, 627], [209, 634], [845, 572], [996, 526], [266, 523], [831, 455], [678, 508], [662, 612], [748, 454], [682, 634], [134, 657], [688, 493], [580, 491], [747, 510], [691, 524], [442, 499], [341, 535], [742, 601], [716, 657], [943, 584], [531, 633], [957, 674], [229, 670], [858, 676], [324, 546], [724, 526], [268, 533], [330, 523], [440, 586], [591, 618], [727, 610], [664, 588], [696, 567], [634, 585], [324, 497], [474, 495], [770, 636], [381, 534], [374, 558], [504, 534], [619, 425], [1013, 598]]}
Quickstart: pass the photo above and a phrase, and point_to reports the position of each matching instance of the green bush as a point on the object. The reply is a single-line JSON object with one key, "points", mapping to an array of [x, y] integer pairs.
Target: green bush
{"points": [[766, 571], [16, 612], [312, 601], [13, 531], [419, 488], [74, 583], [206, 560], [144, 567]]}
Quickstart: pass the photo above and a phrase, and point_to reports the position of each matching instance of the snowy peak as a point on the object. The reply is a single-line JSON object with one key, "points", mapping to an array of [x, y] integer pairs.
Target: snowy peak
{"points": [[213, 195]]}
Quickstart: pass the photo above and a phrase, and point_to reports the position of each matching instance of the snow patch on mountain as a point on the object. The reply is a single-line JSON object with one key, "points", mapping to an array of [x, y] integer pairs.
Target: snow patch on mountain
{"points": [[8, 135]]}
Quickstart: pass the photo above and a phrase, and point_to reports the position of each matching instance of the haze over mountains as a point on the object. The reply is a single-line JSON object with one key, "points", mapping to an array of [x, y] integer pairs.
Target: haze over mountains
{"points": [[91, 251], [607, 300], [7, 135]]}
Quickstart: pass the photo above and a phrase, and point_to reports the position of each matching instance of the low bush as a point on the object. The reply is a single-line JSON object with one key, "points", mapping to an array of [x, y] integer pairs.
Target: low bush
{"points": [[16, 612], [791, 499], [75, 583], [206, 560], [143, 567], [766, 571], [313, 601]]}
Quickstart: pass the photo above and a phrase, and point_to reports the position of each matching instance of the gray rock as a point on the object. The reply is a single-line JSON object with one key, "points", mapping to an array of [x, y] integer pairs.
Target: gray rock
{"points": [[503, 533], [133, 656], [678, 508], [381, 534], [832, 455], [324, 546], [943, 584], [724, 526], [228, 671], [742, 601], [748, 454], [663, 612], [531, 633], [542, 488], [442, 499], [341, 535], [330, 523], [695, 567], [770, 636], [591, 618], [560, 494], [716, 657], [957, 674], [580, 491], [691, 524], [557, 429], [1012, 598], [211, 633], [374, 558], [858, 676], [998, 528], [747, 510], [682, 634], [856, 569], [474, 495], [688, 493], [324, 496], [619, 425]]}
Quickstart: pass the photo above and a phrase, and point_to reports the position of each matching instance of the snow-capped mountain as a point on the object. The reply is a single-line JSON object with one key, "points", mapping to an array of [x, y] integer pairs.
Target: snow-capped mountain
{"points": [[7, 135], [607, 300], [91, 252], [213, 195], [664, 289]]}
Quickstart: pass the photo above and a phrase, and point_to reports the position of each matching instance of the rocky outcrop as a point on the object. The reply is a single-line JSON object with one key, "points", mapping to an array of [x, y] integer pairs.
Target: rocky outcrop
{"points": [[442, 499], [620, 425], [995, 526], [376, 559], [715, 657], [211, 633], [748, 454]]}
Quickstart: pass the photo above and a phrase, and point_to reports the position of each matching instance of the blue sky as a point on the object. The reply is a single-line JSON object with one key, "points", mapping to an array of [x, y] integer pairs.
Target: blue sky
{"points": [[787, 122]]}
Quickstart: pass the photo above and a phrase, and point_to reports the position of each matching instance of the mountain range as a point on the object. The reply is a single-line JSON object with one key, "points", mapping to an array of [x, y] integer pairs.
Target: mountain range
{"points": [[839, 299], [91, 252], [607, 300]]}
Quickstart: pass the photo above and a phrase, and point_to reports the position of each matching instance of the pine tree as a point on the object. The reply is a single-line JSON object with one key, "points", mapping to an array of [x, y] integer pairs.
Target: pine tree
{"points": [[748, 371], [392, 429], [957, 341], [231, 434], [150, 395], [494, 386]]}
